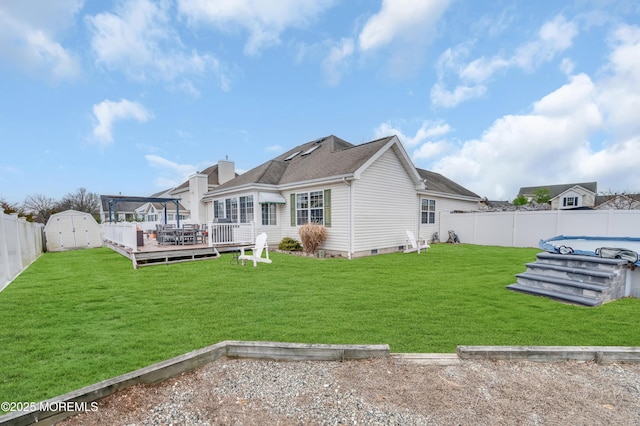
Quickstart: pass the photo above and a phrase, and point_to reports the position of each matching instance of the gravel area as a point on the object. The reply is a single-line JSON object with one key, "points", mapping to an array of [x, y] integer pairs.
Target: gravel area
{"points": [[380, 392]]}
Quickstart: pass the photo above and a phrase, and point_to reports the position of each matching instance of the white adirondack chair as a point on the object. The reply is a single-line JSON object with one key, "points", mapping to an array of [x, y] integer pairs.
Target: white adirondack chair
{"points": [[256, 251], [415, 245]]}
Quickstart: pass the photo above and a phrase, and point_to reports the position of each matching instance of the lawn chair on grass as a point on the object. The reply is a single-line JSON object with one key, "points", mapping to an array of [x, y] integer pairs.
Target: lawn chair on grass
{"points": [[256, 251], [415, 245]]}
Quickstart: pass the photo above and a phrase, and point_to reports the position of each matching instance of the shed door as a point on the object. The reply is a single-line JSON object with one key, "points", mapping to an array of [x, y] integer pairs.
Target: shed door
{"points": [[81, 228], [66, 232]]}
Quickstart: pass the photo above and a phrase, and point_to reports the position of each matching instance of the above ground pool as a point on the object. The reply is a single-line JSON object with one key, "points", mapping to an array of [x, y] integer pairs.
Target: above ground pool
{"points": [[606, 247]]}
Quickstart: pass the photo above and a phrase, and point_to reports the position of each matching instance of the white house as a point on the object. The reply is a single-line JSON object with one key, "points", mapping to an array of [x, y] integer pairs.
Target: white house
{"points": [[566, 196], [366, 195]]}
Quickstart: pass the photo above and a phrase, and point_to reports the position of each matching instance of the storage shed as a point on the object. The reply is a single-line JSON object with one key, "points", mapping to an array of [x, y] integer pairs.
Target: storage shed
{"points": [[70, 230]]}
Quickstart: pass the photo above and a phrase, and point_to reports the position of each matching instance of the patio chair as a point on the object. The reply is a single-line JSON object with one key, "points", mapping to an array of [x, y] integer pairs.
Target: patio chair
{"points": [[256, 251], [415, 245]]}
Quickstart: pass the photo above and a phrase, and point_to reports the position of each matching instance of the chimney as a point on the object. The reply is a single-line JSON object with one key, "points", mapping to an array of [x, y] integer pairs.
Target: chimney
{"points": [[226, 171], [197, 187]]}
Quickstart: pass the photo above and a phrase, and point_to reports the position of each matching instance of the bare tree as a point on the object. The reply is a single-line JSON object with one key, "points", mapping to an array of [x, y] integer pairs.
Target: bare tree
{"points": [[619, 201], [82, 200], [10, 208], [40, 206]]}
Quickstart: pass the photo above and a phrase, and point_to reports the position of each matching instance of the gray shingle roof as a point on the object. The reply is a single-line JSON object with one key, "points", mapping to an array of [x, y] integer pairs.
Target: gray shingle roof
{"points": [[212, 178], [323, 158], [438, 183], [559, 189]]}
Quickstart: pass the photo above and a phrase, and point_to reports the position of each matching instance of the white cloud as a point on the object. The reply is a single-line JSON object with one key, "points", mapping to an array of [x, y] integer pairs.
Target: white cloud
{"points": [[336, 62], [428, 148], [264, 20], [274, 148], [107, 112], [440, 96], [585, 130], [139, 41], [28, 37], [404, 19], [172, 173], [431, 150], [619, 92], [554, 37]]}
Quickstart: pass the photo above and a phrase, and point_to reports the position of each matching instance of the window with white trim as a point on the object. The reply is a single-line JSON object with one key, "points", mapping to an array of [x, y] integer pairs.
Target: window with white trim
{"points": [[237, 210], [428, 211], [218, 209], [310, 207], [246, 209], [269, 214], [570, 202]]}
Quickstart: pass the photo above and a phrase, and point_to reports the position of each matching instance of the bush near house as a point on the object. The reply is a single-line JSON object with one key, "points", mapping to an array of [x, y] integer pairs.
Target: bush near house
{"points": [[312, 236], [289, 244]]}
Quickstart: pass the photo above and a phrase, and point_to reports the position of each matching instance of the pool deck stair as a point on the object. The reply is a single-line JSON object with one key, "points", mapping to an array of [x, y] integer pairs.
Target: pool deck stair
{"points": [[575, 279]]}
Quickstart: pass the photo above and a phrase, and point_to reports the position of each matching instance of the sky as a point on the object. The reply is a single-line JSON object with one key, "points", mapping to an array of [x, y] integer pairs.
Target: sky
{"points": [[132, 96]]}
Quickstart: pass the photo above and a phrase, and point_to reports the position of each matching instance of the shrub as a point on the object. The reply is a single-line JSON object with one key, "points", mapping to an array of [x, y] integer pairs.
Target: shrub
{"points": [[312, 235], [289, 244]]}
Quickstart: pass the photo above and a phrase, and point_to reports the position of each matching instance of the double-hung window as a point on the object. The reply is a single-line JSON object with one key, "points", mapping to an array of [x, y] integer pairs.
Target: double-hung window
{"points": [[570, 202], [310, 207], [246, 209], [428, 211], [269, 214]]}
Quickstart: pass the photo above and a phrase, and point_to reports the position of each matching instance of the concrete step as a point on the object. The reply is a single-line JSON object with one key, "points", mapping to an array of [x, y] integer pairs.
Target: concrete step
{"points": [[599, 274], [564, 297], [577, 260], [539, 280]]}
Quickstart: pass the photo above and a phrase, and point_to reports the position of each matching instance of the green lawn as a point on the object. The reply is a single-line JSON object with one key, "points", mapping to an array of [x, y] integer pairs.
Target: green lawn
{"points": [[75, 318]]}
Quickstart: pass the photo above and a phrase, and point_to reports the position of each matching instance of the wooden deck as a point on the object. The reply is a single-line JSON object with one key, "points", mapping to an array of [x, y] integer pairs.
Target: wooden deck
{"points": [[152, 253]]}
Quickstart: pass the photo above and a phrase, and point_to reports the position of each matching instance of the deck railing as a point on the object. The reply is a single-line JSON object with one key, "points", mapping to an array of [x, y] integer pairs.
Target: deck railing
{"points": [[121, 233], [124, 234], [230, 233]]}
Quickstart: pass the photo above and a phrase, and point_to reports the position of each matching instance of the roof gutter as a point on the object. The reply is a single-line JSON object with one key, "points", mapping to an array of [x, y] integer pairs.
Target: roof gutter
{"points": [[449, 195]]}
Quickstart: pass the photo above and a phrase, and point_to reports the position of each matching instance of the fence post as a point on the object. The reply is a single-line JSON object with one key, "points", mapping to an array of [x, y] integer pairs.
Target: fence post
{"points": [[18, 242], [4, 252]]}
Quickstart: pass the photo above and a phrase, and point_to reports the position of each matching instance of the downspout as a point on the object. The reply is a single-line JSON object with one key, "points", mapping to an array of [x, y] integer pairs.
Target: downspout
{"points": [[350, 220]]}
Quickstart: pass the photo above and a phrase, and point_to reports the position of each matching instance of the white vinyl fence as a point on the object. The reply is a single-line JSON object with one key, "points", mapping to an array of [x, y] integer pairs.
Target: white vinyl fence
{"points": [[527, 228], [21, 242]]}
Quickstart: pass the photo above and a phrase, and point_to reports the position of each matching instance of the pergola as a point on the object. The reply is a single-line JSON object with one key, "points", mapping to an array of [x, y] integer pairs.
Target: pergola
{"points": [[113, 200]]}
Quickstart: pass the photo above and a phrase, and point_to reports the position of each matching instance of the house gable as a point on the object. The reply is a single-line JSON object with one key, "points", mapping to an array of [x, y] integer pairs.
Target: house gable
{"points": [[576, 196]]}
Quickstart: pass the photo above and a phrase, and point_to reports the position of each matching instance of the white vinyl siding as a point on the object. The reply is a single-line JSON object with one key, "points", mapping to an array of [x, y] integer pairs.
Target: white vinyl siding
{"points": [[337, 233], [385, 205]]}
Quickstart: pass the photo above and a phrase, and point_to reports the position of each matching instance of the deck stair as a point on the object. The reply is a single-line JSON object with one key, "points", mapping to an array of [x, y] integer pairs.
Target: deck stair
{"points": [[575, 279]]}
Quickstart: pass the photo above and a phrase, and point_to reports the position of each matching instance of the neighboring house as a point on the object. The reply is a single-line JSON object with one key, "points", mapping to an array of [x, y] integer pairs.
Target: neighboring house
{"points": [[618, 202], [190, 208], [567, 196], [367, 196], [148, 213]]}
